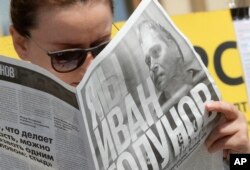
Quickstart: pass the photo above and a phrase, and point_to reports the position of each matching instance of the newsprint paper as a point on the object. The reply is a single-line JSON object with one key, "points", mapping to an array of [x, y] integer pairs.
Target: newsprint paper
{"points": [[140, 106]]}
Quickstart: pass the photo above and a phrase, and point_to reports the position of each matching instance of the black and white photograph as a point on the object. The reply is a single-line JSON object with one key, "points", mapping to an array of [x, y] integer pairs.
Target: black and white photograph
{"points": [[143, 100]]}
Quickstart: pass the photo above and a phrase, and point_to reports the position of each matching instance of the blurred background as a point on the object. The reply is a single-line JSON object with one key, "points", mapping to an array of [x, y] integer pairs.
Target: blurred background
{"points": [[123, 8]]}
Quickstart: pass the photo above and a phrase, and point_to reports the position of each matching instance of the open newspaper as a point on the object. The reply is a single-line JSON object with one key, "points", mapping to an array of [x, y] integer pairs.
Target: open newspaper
{"points": [[140, 106]]}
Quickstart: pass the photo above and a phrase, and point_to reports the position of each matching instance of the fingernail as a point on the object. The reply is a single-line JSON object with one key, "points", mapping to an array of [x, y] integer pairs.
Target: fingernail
{"points": [[208, 104]]}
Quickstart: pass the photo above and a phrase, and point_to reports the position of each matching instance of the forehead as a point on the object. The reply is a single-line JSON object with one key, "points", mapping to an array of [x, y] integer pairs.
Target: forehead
{"points": [[77, 21], [149, 38]]}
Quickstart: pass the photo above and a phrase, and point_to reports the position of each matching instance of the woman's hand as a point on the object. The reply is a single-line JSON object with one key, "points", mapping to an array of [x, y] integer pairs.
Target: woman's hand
{"points": [[231, 133]]}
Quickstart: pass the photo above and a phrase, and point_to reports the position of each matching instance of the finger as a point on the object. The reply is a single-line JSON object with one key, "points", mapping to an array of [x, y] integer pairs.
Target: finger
{"points": [[235, 144], [226, 153], [222, 130], [229, 110], [218, 145]]}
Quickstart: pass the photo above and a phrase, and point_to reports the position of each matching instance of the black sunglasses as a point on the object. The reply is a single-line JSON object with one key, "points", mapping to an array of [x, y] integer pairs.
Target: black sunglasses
{"points": [[70, 59], [67, 60]]}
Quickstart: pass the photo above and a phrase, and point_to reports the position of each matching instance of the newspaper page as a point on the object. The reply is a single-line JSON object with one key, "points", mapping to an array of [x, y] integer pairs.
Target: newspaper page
{"points": [[40, 123], [143, 99]]}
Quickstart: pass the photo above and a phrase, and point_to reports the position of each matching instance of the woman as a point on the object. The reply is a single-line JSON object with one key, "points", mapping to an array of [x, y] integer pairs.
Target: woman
{"points": [[47, 33], [41, 27]]}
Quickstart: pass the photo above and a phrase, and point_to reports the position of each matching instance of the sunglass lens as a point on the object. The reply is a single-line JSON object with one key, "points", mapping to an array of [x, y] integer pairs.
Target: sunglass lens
{"points": [[67, 61]]}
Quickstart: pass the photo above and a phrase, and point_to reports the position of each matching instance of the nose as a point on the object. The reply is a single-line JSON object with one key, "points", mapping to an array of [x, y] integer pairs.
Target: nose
{"points": [[90, 56], [86, 64], [154, 67]]}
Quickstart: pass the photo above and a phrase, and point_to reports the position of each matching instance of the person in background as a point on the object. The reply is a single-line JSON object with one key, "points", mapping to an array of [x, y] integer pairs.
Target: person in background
{"points": [[64, 36]]}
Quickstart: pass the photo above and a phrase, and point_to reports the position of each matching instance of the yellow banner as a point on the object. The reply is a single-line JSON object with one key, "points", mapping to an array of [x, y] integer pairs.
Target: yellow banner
{"points": [[6, 47]]}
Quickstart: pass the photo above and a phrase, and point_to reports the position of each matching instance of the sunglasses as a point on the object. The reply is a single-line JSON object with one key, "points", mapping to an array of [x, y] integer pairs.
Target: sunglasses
{"points": [[67, 60], [70, 59]]}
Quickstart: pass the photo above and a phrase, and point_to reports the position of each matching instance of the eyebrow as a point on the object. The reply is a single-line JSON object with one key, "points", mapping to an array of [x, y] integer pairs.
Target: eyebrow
{"points": [[69, 44], [101, 39]]}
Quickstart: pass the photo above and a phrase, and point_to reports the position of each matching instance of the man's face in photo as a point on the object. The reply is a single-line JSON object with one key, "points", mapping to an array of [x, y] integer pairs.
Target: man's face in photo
{"points": [[161, 57]]}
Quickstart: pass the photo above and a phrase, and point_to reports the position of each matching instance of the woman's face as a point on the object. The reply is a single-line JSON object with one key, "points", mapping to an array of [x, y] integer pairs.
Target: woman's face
{"points": [[82, 25]]}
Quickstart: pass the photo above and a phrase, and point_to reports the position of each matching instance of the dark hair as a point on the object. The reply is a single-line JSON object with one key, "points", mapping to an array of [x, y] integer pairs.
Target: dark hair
{"points": [[24, 12]]}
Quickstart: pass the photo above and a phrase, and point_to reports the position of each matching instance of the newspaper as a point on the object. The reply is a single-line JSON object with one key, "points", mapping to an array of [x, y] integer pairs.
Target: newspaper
{"points": [[129, 112]]}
